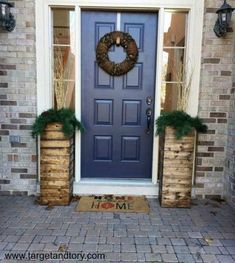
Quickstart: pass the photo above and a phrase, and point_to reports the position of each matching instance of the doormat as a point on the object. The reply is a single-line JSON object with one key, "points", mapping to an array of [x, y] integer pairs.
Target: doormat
{"points": [[110, 203]]}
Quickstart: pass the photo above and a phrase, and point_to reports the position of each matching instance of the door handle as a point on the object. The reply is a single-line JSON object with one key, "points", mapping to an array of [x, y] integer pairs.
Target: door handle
{"points": [[149, 115]]}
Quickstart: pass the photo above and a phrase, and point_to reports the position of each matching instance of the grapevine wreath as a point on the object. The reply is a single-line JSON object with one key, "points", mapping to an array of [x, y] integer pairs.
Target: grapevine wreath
{"points": [[117, 38]]}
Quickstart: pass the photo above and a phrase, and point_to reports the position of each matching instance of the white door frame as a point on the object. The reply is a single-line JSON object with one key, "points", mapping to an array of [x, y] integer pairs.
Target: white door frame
{"points": [[44, 83]]}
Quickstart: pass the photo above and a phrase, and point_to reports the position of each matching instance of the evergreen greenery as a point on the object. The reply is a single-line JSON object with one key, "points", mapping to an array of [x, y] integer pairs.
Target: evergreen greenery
{"points": [[64, 116], [181, 122]]}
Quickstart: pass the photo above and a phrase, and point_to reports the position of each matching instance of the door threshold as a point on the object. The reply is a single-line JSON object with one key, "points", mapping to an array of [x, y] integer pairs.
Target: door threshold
{"points": [[95, 186]]}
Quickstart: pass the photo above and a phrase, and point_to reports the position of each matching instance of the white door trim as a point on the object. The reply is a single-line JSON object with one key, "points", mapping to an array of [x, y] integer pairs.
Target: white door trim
{"points": [[43, 51]]}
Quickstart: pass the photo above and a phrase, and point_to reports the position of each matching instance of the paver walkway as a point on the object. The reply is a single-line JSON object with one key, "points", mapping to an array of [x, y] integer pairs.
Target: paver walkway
{"points": [[204, 233]]}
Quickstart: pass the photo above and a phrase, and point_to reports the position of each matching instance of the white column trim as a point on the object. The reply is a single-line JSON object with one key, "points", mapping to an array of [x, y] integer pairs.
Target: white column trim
{"points": [[157, 109], [78, 90], [194, 49]]}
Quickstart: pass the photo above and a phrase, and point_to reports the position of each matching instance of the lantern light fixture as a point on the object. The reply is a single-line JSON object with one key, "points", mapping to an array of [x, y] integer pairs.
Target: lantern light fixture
{"points": [[7, 20], [224, 19]]}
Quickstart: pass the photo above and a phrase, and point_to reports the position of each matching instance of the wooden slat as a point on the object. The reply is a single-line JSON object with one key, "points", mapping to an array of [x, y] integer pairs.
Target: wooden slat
{"points": [[54, 143], [45, 187], [54, 135], [55, 192], [64, 176], [54, 127], [55, 160], [177, 174], [172, 180], [177, 163], [179, 147], [172, 203], [53, 168], [54, 196], [178, 155], [56, 152], [54, 201], [55, 179], [54, 183]]}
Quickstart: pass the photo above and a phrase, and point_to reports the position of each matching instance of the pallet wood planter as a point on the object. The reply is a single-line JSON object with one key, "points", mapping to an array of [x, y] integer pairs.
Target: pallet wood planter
{"points": [[56, 166], [176, 157]]}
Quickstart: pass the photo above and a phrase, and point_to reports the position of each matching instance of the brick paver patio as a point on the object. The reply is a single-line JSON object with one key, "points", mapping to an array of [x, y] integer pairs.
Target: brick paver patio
{"points": [[204, 233]]}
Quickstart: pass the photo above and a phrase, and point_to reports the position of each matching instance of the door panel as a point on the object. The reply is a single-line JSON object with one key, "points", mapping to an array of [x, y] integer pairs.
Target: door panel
{"points": [[115, 144]]}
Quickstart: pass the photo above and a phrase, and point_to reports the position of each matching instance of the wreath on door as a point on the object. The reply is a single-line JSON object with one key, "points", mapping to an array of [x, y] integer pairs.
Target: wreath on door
{"points": [[117, 38]]}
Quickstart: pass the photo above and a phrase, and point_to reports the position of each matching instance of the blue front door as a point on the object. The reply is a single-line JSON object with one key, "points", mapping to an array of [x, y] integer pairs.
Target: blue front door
{"points": [[117, 142]]}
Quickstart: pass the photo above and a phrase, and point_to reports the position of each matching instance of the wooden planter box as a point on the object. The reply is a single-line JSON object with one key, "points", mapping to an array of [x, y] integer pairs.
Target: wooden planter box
{"points": [[176, 158], [56, 166]]}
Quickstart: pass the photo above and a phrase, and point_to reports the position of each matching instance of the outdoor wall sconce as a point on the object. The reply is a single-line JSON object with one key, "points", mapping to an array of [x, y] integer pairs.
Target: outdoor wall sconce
{"points": [[7, 20], [223, 20]]}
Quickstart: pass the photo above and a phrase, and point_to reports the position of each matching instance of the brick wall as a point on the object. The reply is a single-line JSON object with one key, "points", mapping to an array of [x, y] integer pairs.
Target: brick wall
{"points": [[18, 103], [215, 105]]}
